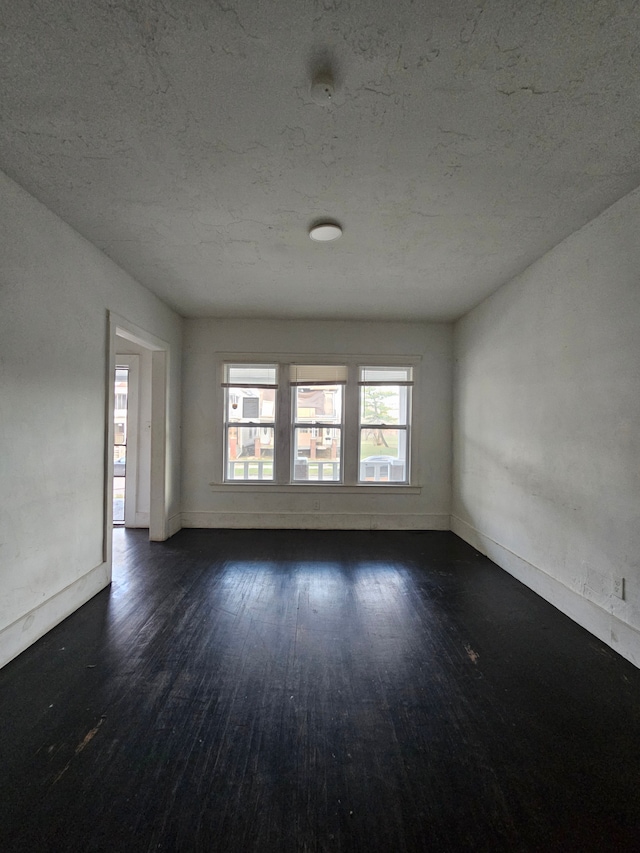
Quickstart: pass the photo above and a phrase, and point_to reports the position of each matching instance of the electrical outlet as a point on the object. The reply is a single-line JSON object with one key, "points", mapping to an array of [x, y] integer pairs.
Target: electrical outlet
{"points": [[316, 504], [618, 587]]}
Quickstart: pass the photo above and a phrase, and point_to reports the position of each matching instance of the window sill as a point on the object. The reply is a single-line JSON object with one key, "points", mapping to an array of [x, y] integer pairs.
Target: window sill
{"points": [[315, 488]]}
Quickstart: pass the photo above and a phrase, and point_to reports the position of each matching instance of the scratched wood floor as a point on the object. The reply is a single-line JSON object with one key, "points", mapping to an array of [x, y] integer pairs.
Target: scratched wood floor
{"points": [[307, 691]]}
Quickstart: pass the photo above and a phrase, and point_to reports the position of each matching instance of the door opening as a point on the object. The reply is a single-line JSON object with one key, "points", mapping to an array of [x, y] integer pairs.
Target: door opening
{"points": [[136, 444], [120, 438]]}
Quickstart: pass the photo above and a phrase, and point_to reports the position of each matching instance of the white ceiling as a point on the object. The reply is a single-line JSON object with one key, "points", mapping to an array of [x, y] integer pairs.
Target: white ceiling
{"points": [[464, 141]]}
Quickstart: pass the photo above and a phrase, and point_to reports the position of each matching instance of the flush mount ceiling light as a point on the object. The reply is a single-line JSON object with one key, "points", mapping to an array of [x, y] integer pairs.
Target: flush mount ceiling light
{"points": [[325, 231], [322, 88]]}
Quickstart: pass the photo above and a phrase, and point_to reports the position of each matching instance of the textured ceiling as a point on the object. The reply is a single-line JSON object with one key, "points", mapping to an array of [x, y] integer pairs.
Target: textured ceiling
{"points": [[464, 140]]}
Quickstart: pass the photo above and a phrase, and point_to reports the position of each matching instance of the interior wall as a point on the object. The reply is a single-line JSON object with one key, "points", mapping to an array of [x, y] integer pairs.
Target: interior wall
{"points": [[206, 503], [546, 435], [56, 291]]}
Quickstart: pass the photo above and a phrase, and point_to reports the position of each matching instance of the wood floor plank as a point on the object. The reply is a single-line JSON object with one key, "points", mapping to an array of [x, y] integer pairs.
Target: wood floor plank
{"points": [[304, 691]]}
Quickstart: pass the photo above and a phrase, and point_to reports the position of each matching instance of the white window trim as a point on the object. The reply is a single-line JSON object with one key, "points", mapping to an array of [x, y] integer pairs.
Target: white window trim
{"points": [[283, 439], [406, 427], [227, 389]]}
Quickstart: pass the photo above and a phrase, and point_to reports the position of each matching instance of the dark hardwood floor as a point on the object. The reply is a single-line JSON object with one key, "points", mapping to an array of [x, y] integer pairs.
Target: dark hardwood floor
{"points": [[308, 691]]}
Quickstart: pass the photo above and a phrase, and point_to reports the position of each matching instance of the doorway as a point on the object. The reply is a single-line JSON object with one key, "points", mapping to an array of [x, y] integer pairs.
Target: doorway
{"points": [[136, 424]]}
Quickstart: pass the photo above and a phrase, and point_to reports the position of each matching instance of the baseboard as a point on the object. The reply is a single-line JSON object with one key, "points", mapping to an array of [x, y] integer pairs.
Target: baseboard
{"points": [[620, 636], [142, 519], [315, 521], [22, 633], [174, 524]]}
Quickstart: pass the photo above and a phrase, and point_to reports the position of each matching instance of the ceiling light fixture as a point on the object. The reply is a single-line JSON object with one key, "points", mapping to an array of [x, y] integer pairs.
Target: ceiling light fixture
{"points": [[323, 88], [325, 231]]}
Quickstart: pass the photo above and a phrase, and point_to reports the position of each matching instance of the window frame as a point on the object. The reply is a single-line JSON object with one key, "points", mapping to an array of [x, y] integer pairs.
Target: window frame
{"points": [[315, 425], [401, 426], [283, 481], [229, 387]]}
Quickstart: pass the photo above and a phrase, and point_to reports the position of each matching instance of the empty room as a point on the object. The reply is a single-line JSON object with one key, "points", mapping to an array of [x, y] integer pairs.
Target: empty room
{"points": [[320, 406]]}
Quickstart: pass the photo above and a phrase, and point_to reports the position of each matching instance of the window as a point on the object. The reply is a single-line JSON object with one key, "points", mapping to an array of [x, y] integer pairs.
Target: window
{"points": [[385, 408], [317, 423], [250, 419], [317, 393]]}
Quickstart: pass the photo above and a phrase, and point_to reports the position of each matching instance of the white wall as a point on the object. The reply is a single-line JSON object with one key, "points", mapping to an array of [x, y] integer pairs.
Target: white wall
{"points": [[425, 506], [547, 426], [55, 292]]}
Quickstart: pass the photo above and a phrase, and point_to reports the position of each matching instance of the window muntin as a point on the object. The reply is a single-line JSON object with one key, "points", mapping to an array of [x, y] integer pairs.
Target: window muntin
{"points": [[250, 420], [384, 423]]}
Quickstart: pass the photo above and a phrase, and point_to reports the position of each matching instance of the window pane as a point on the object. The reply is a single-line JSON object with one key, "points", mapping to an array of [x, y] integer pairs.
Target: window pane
{"points": [[119, 461], [251, 404], [321, 403], [118, 500], [120, 432], [250, 453], [316, 454], [383, 455], [120, 405], [384, 404], [386, 374], [251, 374]]}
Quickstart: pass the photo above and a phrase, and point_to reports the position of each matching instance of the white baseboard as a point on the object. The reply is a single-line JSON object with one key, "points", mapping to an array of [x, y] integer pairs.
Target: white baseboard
{"points": [[174, 524], [315, 521], [18, 636], [620, 636], [142, 519]]}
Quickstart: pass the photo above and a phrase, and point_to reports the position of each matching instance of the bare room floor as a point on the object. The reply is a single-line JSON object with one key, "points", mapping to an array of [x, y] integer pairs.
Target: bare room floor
{"points": [[262, 691]]}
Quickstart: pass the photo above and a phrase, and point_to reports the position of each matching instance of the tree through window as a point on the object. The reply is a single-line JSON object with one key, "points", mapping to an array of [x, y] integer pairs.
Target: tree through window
{"points": [[385, 409]]}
